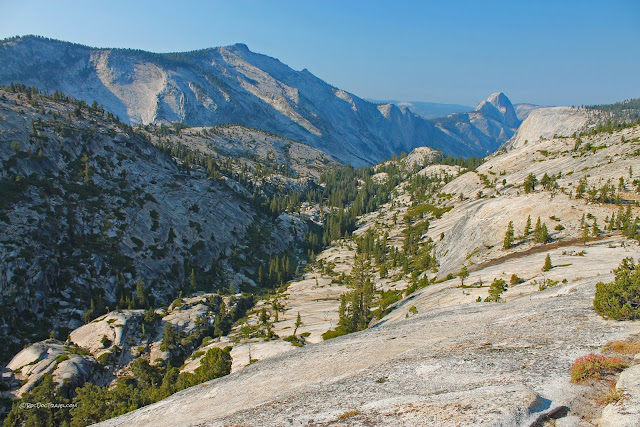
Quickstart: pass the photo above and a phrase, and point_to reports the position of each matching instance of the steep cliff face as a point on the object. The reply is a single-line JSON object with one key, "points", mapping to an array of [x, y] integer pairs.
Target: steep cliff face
{"points": [[231, 84]]}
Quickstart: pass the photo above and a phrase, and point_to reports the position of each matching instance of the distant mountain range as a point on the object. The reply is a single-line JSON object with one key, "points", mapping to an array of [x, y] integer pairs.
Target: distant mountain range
{"points": [[523, 110], [435, 110], [231, 84], [428, 110]]}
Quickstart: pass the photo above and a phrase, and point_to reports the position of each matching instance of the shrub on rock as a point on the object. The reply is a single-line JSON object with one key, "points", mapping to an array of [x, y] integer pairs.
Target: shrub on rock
{"points": [[593, 366], [498, 286], [620, 299]]}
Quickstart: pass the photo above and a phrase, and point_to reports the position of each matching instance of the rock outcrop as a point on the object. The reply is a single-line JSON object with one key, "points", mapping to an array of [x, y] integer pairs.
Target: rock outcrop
{"points": [[626, 412], [109, 330], [67, 365]]}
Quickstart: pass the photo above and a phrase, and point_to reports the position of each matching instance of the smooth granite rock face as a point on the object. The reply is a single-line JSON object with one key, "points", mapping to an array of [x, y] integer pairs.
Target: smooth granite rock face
{"points": [[551, 121], [466, 364], [474, 229]]}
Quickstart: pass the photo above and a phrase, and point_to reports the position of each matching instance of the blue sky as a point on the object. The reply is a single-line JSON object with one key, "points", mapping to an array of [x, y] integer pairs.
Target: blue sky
{"points": [[560, 52]]}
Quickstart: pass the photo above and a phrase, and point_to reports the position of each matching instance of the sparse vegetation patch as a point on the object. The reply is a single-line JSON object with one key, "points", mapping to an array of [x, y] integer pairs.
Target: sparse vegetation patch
{"points": [[593, 367]]}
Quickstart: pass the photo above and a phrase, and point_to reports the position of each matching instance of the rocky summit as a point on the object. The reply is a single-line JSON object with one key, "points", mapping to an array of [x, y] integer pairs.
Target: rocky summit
{"points": [[233, 85]]}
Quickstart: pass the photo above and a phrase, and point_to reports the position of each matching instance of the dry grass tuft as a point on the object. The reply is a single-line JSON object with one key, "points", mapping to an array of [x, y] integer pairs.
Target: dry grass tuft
{"points": [[612, 395], [349, 414], [628, 346]]}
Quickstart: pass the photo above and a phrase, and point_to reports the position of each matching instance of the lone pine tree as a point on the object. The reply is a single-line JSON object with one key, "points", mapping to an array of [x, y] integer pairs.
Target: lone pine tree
{"points": [[530, 183], [527, 228], [355, 306], [297, 324], [464, 273], [498, 286], [508, 237]]}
